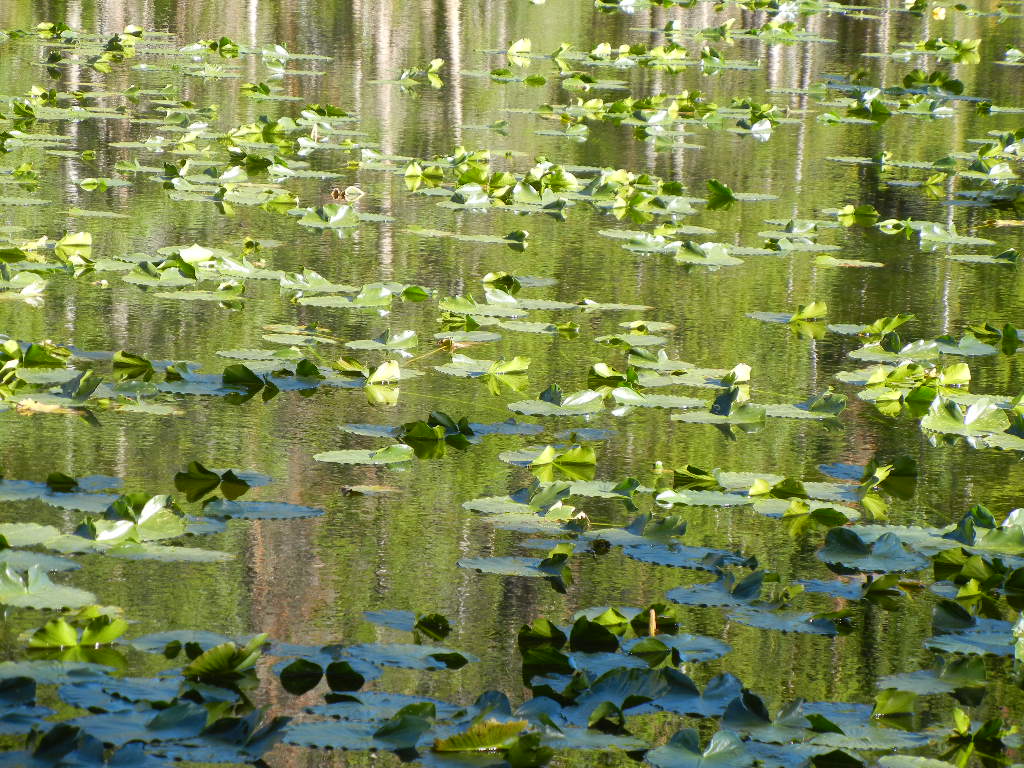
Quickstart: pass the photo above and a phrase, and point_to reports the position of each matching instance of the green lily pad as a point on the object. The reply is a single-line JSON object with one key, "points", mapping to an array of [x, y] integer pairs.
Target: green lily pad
{"points": [[391, 454], [683, 750], [33, 589], [786, 621], [886, 554], [259, 510]]}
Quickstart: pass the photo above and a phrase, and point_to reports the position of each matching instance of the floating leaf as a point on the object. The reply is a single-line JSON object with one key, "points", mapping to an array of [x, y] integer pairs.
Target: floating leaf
{"points": [[887, 554], [391, 454], [259, 510], [33, 589], [683, 750], [482, 736]]}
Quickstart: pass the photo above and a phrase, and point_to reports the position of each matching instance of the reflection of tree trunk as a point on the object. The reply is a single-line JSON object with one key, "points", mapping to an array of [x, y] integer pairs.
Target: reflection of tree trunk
{"points": [[285, 585], [452, 72], [285, 591], [112, 16]]}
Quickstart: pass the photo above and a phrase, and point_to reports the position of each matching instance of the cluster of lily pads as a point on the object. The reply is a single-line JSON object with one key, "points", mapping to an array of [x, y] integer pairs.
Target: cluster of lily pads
{"points": [[589, 683]]}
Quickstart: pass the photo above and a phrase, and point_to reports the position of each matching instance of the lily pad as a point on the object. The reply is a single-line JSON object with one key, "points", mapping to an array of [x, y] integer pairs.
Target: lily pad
{"points": [[33, 589], [887, 554], [259, 510], [392, 454]]}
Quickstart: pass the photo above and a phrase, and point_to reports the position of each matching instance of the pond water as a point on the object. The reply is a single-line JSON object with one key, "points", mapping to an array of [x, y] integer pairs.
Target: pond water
{"points": [[390, 537]]}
